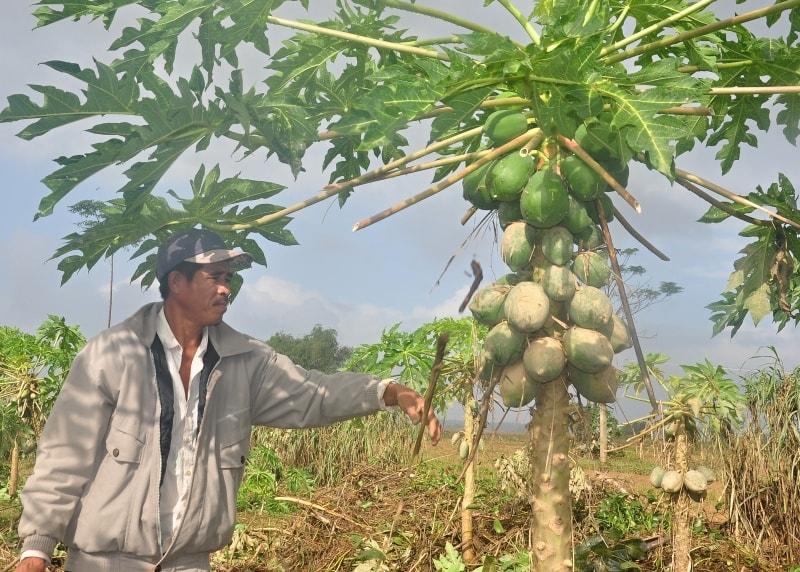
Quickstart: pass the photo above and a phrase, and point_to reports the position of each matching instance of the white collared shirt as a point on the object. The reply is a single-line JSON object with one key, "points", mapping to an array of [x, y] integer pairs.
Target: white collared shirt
{"points": [[180, 461]]}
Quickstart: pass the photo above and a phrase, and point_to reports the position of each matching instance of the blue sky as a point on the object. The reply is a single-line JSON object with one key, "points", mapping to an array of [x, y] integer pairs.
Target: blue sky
{"points": [[360, 283]]}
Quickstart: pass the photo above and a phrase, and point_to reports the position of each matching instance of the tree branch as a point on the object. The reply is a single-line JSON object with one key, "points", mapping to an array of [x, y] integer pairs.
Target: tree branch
{"points": [[685, 175], [703, 30], [454, 178]]}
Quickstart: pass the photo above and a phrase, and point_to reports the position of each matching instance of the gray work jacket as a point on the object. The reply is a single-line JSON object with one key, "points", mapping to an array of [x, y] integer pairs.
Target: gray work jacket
{"points": [[95, 485]]}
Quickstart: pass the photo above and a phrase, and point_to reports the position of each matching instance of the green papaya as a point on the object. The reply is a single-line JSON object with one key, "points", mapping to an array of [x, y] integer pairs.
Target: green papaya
{"points": [[517, 246], [608, 209], [508, 212], [503, 125], [544, 201], [516, 388], [526, 307], [577, 219], [587, 350], [558, 283], [487, 304], [507, 175], [503, 345], [617, 333], [557, 244], [474, 188], [544, 359], [584, 182], [590, 308], [598, 387], [592, 269]]}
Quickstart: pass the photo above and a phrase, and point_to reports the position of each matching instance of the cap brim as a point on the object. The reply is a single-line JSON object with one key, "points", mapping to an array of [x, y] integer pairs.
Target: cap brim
{"points": [[237, 258]]}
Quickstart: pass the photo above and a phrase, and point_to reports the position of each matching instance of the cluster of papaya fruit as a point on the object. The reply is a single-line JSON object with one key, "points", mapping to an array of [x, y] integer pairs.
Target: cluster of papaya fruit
{"points": [[549, 316], [694, 481]]}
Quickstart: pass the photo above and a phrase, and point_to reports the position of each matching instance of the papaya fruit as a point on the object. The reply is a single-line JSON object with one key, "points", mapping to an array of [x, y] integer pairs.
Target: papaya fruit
{"points": [[577, 218], [503, 345], [517, 246], [598, 387], [558, 283], [508, 212], [503, 125], [544, 359], [617, 333], [592, 269], [516, 388], [487, 304], [588, 350], [672, 481], [557, 244], [590, 308], [474, 189], [608, 209], [507, 175], [526, 307], [544, 201], [584, 182]]}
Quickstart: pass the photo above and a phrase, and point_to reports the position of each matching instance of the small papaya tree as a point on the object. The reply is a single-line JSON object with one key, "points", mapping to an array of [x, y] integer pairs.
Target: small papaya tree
{"points": [[704, 403], [32, 371]]}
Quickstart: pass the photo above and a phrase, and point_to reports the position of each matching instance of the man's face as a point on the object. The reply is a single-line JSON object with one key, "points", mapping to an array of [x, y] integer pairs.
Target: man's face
{"points": [[205, 297]]}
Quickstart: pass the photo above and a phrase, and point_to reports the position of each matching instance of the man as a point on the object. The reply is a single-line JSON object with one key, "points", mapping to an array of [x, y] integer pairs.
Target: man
{"points": [[142, 456]]}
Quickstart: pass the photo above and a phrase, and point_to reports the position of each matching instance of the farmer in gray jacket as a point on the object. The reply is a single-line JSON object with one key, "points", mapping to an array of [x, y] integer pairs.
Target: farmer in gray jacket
{"points": [[140, 460]]}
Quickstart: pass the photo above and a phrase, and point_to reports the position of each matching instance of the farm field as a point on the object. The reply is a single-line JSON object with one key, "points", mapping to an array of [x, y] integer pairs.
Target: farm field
{"points": [[403, 516]]}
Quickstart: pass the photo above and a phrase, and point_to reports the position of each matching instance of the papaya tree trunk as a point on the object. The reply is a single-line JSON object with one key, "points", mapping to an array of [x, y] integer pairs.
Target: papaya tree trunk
{"points": [[603, 433], [551, 511], [13, 477], [467, 546], [682, 505]]}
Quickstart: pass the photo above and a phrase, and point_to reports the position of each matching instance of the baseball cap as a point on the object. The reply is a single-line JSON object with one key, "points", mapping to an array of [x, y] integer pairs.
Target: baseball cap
{"points": [[197, 245]]}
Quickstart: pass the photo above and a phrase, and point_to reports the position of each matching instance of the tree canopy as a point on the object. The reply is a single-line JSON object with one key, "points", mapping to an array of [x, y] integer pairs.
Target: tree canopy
{"points": [[663, 78], [319, 349]]}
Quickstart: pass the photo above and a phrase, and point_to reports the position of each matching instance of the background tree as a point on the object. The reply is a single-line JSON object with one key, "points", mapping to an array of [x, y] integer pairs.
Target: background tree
{"points": [[319, 349]]}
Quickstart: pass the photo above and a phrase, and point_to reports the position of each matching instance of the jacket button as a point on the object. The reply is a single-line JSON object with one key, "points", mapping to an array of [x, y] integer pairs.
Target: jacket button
{"points": [[242, 459], [157, 568], [115, 452]]}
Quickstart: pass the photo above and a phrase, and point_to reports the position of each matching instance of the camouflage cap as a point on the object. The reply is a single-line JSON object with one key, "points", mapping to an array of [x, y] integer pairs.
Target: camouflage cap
{"points": [[200, 246]]}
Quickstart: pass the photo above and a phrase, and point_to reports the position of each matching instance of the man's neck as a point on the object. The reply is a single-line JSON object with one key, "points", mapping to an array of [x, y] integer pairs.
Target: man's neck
{"points": [[187, 332]]}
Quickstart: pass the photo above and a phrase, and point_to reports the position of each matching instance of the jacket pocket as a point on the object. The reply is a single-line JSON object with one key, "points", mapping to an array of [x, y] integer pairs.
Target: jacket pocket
{"points": [[115, 496], [234, 444], [123, 447]]}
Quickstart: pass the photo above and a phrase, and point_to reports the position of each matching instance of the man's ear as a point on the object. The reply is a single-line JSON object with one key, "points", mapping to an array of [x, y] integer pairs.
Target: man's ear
{"points": [[176, 281]]}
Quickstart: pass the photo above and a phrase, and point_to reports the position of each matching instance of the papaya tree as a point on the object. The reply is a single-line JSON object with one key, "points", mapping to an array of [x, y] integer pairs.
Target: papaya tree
{"points": [[32, 370], [535, 124]]}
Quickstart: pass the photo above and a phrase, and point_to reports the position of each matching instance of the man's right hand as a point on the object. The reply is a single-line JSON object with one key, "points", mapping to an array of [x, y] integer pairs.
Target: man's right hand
{"points": [[32, 564]]}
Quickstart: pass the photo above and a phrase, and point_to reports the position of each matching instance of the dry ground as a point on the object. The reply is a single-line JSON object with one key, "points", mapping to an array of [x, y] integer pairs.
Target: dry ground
{"points": [[410, 513]]}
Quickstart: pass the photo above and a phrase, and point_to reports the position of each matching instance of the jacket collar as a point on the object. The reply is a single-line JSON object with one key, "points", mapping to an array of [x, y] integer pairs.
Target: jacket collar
{"points": [[225, 339]]}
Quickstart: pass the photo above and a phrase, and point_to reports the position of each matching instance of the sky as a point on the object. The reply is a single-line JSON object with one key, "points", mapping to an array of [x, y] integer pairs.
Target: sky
{"points": [[361, 283]]}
